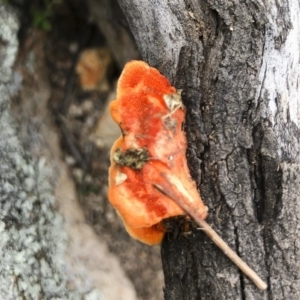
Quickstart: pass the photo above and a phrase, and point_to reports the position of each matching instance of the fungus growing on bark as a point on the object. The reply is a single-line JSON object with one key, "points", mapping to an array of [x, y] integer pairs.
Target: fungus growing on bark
{"points": [[149, 179], [150, 113]]}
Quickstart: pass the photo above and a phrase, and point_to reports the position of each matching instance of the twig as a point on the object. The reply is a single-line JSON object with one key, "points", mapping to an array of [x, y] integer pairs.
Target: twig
{"points": [[167, 190]]}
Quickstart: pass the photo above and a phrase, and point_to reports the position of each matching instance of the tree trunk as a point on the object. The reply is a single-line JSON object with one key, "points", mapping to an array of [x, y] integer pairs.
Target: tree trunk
{"points": [[237, 63], [43, 255]]}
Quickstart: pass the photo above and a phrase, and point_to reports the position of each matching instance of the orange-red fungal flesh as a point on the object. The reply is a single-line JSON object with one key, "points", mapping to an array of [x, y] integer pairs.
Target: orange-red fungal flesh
{"points": [[150, 114]]}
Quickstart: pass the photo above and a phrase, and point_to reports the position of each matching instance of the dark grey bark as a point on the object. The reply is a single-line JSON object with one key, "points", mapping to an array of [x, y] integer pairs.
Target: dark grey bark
{"points": [[237, 63]]}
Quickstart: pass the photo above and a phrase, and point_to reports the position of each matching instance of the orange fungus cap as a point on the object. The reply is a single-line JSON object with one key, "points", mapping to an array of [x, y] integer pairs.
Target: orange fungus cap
{"points": [[150, 114]]}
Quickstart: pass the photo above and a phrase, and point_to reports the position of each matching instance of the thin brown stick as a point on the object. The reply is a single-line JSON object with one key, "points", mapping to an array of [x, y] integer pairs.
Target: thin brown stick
{"points": [[212, 234], [232, 255]]}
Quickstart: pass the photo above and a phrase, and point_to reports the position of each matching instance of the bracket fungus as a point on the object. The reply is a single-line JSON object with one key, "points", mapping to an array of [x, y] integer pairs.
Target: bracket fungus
{"points": [[150, 114], [149, 179]]}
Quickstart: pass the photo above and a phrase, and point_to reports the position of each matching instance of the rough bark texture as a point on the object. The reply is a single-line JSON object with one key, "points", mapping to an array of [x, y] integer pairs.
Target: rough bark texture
{"points": [[44, 254], [28, 221], [238, 65]]}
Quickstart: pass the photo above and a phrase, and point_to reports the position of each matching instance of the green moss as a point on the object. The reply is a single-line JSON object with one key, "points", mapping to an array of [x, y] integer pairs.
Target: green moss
{"points": [[41, 16]]}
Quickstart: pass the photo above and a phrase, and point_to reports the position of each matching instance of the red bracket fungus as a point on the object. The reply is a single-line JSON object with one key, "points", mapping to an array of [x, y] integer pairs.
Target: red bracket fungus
{"points": [[149, 179], [150, 113]]}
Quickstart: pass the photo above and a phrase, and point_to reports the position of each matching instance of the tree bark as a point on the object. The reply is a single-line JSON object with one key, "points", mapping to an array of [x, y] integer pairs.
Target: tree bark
{"points": [[45, 254], [237, 63]]}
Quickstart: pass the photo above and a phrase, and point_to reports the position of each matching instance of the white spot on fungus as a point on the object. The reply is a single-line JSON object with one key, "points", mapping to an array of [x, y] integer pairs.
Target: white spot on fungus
{"points": [[173, 101], [120, 178]]}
